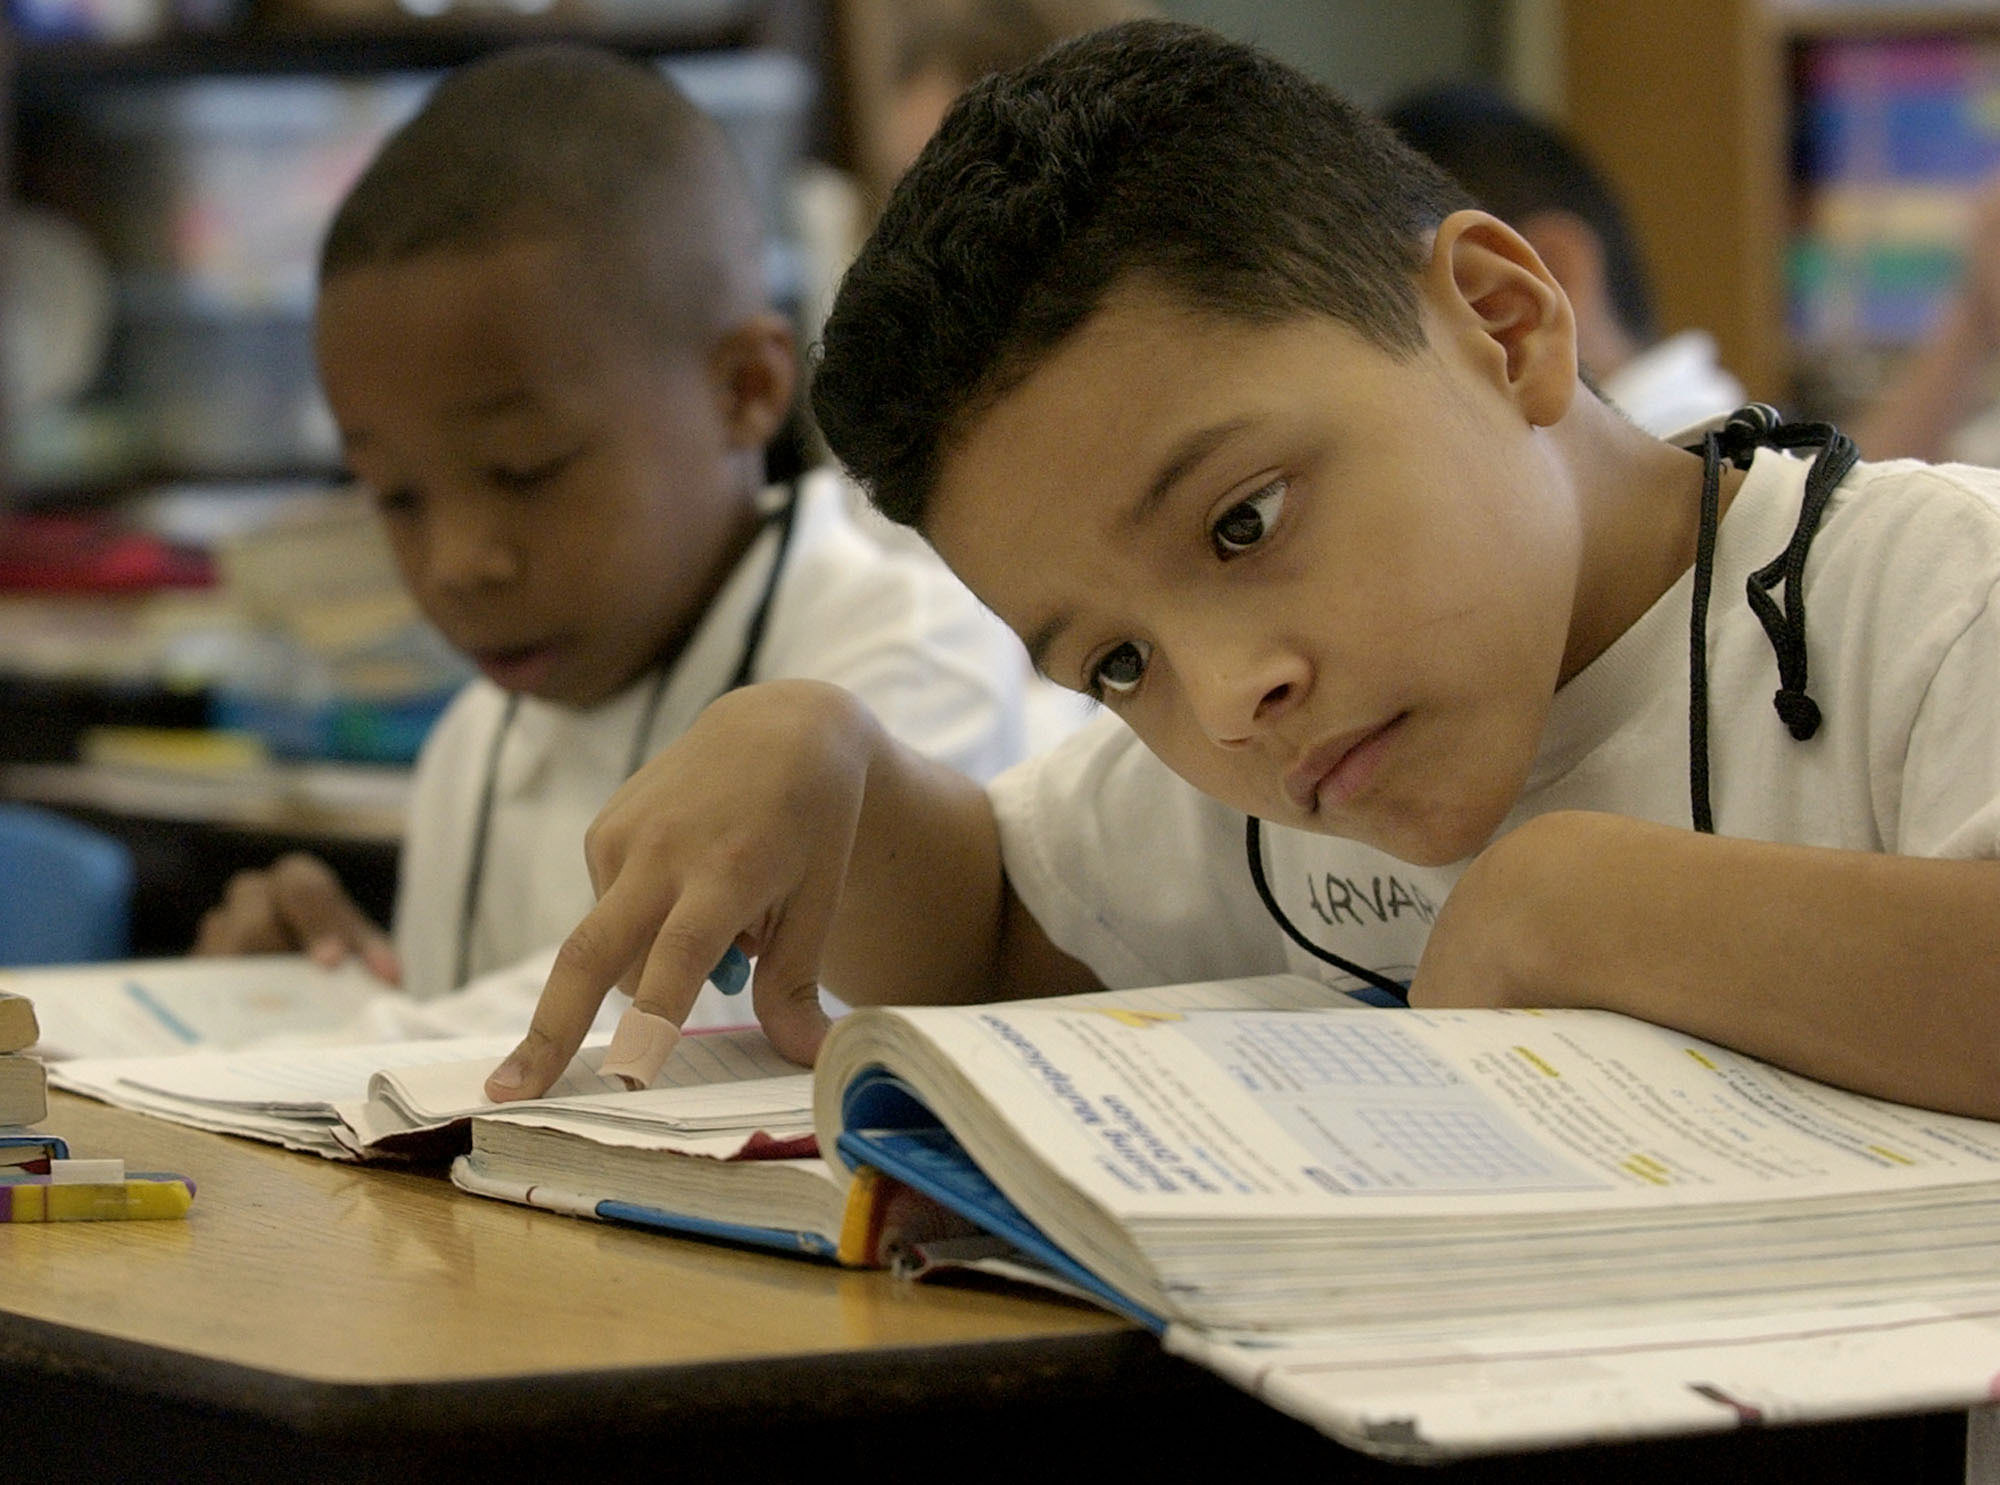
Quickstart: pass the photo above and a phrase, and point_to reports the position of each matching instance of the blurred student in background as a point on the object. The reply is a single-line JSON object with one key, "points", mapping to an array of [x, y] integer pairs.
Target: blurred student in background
{"points": [[544, 331], [1528, 173]]}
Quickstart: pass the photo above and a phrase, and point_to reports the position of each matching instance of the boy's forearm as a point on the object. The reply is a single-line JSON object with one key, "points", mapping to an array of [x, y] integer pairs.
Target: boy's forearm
{"points": [[926, 914], [920, 908], [1876, 972]]}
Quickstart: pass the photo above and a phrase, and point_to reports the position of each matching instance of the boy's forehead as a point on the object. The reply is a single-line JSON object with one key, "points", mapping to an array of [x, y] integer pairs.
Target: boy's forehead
{"points": [[1144, 365], [1078, 437]]}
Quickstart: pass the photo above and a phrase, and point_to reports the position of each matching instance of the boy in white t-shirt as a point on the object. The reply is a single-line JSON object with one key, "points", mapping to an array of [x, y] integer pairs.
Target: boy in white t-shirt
{"points": [[544, 331], [1422, 658]]}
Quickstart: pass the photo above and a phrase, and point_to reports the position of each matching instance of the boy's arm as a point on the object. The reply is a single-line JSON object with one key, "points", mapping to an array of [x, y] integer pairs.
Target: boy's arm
{"points": [[788, 822], [1876, 972]]}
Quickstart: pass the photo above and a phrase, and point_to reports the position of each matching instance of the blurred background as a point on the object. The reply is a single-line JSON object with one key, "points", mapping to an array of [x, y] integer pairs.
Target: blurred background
{"points": [[198, 626]]}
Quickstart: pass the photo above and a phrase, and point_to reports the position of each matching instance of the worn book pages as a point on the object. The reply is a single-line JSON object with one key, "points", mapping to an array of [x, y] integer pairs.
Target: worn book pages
{"points": [[287, 1096], [1443, 1202], [391, 1098]]}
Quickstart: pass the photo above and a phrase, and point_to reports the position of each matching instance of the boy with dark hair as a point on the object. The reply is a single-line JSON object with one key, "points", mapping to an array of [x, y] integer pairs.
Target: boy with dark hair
{"points": [[544, 331], [1239, 414], [1540, 182]]}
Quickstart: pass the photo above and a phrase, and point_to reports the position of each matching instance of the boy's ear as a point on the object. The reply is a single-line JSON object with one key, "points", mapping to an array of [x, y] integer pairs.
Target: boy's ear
{"points": [[754, 369], [1500, 298]]}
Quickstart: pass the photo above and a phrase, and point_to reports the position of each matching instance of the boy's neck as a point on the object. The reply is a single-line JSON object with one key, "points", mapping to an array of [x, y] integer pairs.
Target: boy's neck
{"points": [[1641, 506], [742, 535]]}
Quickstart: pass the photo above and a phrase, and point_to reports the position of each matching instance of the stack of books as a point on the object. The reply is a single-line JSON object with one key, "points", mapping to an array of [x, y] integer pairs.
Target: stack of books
{"points": [[24, 1091]]}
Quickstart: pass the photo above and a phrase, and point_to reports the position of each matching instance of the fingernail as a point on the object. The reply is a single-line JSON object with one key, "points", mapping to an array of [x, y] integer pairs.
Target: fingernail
{"points": [[732, 974], [508, 1076], [639, 1048], [328, 952]]}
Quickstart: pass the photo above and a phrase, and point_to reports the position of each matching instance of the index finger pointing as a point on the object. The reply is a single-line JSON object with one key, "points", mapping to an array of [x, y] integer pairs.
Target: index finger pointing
{"points": [[587, 965]]}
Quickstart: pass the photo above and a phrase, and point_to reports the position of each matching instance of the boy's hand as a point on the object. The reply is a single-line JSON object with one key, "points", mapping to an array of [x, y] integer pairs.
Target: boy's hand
{"points": [[297, 904], [739, 832]]}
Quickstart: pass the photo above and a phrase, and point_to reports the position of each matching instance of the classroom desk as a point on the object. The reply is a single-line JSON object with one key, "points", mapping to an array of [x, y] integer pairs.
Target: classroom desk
{"points": [[319, 1322]]}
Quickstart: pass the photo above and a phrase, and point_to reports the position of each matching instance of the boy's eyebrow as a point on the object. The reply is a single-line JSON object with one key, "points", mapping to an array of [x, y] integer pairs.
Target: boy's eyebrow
{"points": [[1043, 639]]}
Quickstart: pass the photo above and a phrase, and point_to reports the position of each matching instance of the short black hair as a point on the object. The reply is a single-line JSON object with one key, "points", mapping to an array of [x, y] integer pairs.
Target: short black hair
{"points": [[1518, 165], [566, 143], [1146, 150]]}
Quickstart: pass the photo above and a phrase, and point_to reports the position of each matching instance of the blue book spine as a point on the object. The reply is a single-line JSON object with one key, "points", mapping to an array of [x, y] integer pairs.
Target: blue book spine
{"points": [[885, 1126]]}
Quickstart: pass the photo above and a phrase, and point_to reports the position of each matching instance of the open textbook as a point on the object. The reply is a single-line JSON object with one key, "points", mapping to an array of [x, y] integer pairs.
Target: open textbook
{"points": [[1432, 1233], [721, 1144], [413, 1098]]}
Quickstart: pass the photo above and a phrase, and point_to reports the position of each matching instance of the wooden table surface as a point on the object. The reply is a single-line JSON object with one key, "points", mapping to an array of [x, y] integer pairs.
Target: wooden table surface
{"points": [[319, 1321], [343, 1273]]}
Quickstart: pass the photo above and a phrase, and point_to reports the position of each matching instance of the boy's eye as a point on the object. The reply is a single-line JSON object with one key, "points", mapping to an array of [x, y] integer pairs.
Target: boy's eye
{"points": [[1248, 522], [1121, 670], [527, 476]]}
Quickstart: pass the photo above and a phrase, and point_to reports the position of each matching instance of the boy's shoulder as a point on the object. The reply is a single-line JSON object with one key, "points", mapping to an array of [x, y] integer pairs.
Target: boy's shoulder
{"points": [[1912, 508], [843, 550]]}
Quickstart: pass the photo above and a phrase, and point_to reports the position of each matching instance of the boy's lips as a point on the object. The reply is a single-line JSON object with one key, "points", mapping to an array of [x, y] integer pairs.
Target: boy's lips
{"points": [[520, 668], [1336, 770]]}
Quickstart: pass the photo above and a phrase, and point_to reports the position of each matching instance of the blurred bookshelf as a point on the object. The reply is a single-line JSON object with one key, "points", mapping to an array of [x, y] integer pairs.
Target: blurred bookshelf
{"points": [[1802, 174], [169, 175]]}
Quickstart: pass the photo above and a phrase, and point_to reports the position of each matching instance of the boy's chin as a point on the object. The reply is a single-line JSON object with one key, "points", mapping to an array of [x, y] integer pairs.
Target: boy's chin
{"points": [[1442, 840]]}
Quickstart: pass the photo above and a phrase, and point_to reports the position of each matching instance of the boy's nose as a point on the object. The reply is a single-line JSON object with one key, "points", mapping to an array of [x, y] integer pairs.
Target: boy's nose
{"points": [[470, 552], [1237, 694]]}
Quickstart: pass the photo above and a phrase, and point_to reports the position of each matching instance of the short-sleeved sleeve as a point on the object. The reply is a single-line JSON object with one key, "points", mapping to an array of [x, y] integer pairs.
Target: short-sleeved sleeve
{"points": [[1127, 867]]}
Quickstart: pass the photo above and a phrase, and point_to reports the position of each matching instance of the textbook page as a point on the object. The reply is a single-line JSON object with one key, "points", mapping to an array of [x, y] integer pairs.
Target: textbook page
{"points": [[158, 1007], [302, 1081], [286, 1097], [1249, 1114]]}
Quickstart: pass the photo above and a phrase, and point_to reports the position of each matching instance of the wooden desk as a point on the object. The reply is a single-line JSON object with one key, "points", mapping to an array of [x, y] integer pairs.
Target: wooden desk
{"points": [[313, 1321]]}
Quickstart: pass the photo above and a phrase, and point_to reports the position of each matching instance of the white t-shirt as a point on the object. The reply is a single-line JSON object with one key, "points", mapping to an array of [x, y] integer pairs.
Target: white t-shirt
{"points": [[897, 629], [1145, 880], [1674, 384]]}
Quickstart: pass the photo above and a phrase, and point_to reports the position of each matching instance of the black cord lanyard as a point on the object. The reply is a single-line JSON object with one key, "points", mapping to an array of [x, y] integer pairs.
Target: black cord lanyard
{"points": [[1747, 430], [785, 517], [1751, 428]]}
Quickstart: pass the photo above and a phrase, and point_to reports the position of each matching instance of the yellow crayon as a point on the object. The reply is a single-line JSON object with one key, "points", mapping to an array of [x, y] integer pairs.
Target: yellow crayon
{"points": [[146, 1195]]}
